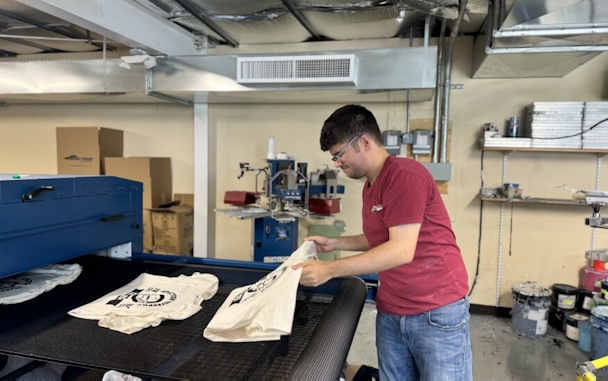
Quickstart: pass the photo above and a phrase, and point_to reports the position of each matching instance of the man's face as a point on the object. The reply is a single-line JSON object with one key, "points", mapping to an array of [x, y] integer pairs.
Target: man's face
{"points": [[347, 157]]}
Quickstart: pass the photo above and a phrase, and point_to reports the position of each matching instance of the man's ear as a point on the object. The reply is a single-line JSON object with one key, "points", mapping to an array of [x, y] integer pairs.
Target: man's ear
{"points": [[366, 142]]}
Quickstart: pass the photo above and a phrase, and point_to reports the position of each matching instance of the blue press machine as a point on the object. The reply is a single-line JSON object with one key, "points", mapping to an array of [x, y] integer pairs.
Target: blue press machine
{"points": [[46, 219]]}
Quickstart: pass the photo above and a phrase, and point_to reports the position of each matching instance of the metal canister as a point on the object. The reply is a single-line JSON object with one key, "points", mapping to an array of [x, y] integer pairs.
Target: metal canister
{"points": [[513, 127]]}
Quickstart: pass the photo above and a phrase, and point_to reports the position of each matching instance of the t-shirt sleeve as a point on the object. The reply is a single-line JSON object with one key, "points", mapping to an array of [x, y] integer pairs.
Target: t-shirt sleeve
{"points": [[404, 199]]}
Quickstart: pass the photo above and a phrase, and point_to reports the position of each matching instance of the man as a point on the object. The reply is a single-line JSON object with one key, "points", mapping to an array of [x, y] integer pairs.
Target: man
{"points": [[422, 327]]}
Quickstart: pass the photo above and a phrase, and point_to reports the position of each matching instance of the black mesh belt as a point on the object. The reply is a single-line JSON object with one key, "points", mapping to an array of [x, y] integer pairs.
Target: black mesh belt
{"points": [[323, 329]]}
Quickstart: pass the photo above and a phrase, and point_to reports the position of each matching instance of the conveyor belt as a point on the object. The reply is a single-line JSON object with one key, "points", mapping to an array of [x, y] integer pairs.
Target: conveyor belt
{"points": [[317, 348]]}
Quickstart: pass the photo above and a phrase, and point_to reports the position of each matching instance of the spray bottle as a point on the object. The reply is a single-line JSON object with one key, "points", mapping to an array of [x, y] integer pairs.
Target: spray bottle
{"points": [[270, 154]]}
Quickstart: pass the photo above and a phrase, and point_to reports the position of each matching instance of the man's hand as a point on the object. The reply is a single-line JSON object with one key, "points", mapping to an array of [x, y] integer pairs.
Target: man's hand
{"points": [[323, 244], [314, 273]]}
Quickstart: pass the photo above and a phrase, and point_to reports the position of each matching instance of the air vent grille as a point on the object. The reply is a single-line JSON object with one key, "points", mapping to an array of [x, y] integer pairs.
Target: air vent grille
{"points": [[297, 69]]}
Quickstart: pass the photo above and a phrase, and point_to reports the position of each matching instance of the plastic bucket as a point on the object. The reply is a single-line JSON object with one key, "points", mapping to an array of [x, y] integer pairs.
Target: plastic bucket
{"points": [[529, 316], [592, 279], [584, 336], [585, 301], [557, 318], [572, 322], [564, 296], [599, 332]]}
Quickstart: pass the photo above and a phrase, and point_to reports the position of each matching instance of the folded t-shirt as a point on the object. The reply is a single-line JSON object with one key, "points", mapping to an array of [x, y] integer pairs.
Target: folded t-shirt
{"points": [[28, 285], [148, 300]]}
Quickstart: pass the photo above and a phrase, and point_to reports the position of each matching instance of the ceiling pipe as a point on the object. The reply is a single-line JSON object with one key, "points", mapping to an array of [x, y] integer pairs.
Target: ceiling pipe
{"points": [[549, 49], [53, 29], [62, 39], [301, 19], [192, 9], [438, 92], [549, 32], [448, 80]]}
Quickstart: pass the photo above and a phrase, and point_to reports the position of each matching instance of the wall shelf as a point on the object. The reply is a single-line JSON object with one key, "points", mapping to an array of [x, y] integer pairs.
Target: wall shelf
{"points": [[532, 200], [572, 150]]}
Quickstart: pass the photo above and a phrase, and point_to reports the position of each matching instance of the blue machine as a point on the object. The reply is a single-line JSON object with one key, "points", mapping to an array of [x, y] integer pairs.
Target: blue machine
{"points": [[290, 194], [46, 219], [274, 240]]}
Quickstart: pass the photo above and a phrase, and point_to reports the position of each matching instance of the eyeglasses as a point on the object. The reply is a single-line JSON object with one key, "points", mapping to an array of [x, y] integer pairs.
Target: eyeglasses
{"points": [[337, 156]]}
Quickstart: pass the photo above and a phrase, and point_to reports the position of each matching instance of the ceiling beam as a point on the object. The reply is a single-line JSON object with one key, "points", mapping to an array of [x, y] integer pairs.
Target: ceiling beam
{"points": [[31, 44], [301, 19], [53, 29], [125, 22], [4, 53], [196, 12]]}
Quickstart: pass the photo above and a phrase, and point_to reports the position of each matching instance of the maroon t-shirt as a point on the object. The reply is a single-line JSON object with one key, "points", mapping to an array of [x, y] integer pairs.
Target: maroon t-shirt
{"points": [[405, 193]]}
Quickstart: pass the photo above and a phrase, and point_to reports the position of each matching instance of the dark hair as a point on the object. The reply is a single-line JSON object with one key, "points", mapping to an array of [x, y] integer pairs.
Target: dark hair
{"points": [[346, 123]]}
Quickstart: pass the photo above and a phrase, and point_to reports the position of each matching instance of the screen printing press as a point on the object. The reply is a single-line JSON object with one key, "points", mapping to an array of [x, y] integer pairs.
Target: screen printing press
{"points": [[58, 219]]}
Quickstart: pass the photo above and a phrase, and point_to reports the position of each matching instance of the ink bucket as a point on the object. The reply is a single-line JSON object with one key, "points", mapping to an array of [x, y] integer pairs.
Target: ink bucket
{"points": [[573, 321], [564, 296], [529, 316], [599, 332], [584, 336], [585, 301]]}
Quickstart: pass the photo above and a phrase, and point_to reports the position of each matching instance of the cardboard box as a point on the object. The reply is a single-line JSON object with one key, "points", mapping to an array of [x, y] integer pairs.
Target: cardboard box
{"points": [[184, 199], [173, 230], [148, 231], [82, 150], [153, 172]]}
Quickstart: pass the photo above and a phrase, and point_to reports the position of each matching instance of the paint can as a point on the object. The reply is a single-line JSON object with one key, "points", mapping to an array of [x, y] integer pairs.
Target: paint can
{"points": [[529, 316], [584, 303], [592, 278], [604, 288], [564, 296], [597, 258], [557, 318], [599, 332], [513, 127], [572, 322], [584, 336]]}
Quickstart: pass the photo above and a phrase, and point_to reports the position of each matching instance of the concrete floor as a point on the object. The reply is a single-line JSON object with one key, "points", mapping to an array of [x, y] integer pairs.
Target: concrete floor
{"points": [[498, 353]]}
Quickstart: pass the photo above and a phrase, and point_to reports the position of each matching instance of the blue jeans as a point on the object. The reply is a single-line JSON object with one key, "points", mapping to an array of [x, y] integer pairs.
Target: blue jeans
{"points": [[432, 346]]}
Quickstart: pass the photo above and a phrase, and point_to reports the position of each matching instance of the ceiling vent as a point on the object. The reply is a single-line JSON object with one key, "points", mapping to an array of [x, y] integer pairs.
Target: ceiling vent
{"points": [[338, 68]]}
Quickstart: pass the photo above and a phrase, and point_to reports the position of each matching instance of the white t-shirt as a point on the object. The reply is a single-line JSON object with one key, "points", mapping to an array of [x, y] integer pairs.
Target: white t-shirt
{"points": [[264, 310], [28, 285], [148, 300]]}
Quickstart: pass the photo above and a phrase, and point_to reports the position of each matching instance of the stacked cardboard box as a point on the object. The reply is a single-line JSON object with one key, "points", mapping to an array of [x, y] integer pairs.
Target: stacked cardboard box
{"points": [[173, 228], [155, 175], [82, 150], [99, 151]]}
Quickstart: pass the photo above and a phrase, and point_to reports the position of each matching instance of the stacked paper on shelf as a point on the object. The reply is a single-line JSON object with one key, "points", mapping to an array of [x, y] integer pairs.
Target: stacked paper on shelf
{"points": [[506, 142], [554, 124], [596, 138]]}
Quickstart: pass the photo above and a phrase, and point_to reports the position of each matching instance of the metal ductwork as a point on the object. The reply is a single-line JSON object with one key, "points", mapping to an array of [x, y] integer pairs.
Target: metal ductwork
{"points": [[378, 70], [540, 38]]}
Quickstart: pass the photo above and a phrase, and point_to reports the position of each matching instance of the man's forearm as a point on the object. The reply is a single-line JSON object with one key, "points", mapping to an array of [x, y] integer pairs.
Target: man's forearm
{"points": [[383, 257], [352, 243]]}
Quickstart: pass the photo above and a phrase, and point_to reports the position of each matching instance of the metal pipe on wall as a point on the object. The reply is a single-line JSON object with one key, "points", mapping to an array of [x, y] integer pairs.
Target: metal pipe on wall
{"points": [[438, 93], [448, 75]]}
